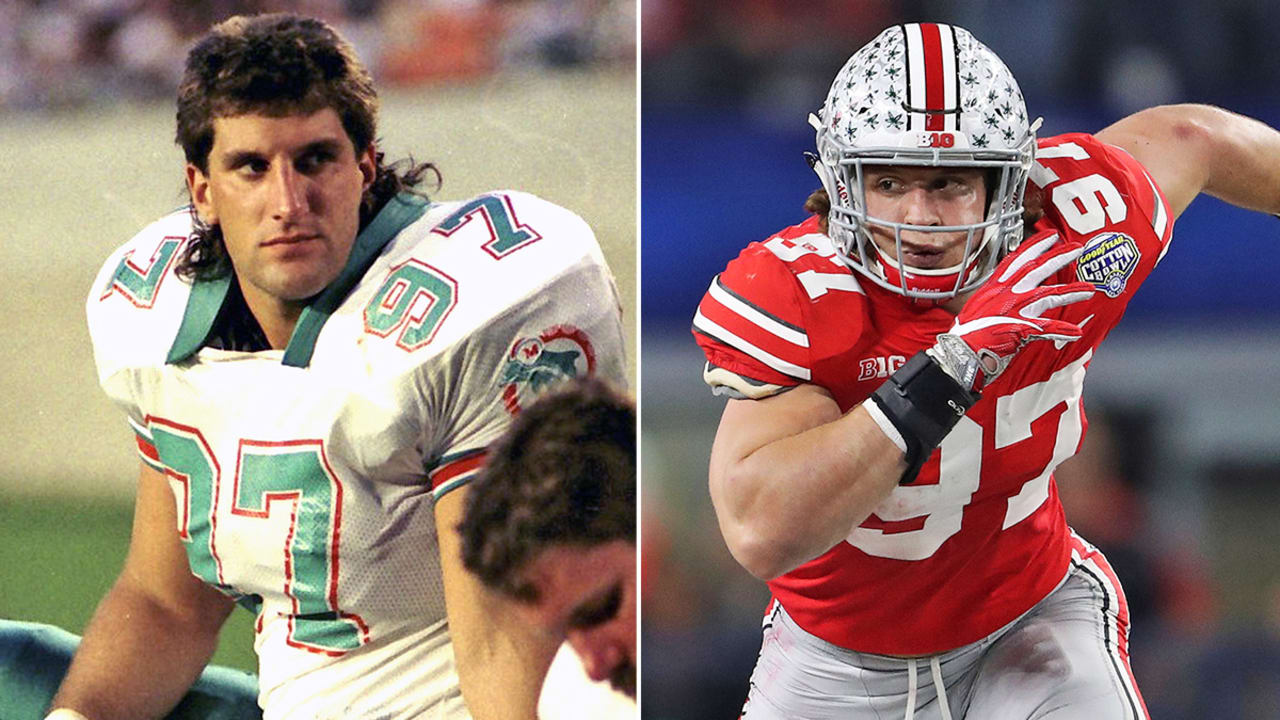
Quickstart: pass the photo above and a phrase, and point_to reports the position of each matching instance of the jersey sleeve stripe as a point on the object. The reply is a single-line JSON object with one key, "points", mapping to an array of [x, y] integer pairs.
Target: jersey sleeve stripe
{"points": [[146, 447], [715, 321], [454, 484], [722, 335], [1159, 217], [140, 429], [147, 452], [455, 473], [769, 323]]}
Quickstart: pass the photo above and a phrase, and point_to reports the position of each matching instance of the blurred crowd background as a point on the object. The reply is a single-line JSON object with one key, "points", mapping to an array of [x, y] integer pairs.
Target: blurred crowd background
{"points": [[59, 53], [1177, 479], [764, 54]]}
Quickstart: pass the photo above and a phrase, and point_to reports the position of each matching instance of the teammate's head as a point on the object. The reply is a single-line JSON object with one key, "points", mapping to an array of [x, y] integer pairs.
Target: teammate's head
{"points": [[280, 68], [923, 151], [551, 522]]}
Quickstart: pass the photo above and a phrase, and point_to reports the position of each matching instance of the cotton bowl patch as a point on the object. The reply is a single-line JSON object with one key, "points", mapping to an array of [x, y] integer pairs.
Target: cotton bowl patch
{"points": [[1107, 262]]}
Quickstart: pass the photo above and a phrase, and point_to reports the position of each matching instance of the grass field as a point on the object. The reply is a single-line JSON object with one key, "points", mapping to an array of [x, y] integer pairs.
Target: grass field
{"points": [[59, 556]]}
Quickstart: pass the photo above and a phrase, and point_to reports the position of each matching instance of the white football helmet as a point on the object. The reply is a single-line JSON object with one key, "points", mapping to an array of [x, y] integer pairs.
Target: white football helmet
{"points": [[927, 95]]}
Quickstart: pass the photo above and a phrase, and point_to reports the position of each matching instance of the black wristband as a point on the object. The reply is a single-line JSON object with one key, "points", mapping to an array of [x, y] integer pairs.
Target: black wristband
{"points": [[923, 402]]}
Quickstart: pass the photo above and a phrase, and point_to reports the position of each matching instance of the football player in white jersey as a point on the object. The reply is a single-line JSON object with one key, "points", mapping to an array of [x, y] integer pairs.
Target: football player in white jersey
{"points": [[905, 370], [314, 359], [551, 522]]}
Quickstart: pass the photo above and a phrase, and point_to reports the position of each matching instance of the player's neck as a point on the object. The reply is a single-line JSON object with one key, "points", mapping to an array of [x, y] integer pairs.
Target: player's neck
{"points": [[277, 317], [956, 304]]}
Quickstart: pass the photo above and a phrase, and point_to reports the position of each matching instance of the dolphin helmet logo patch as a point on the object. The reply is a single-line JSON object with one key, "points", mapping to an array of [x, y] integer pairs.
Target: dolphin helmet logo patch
{"points": [[534, 364], [1108, 261]]}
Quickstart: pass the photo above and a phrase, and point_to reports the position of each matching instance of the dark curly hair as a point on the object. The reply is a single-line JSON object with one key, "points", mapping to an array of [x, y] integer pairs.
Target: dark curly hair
{"points": [[278, 65], [563, 474]]}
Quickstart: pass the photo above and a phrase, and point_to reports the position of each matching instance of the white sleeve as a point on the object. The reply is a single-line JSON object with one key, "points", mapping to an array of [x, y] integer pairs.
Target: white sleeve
{"points": [[570, 327], [133, 311]]}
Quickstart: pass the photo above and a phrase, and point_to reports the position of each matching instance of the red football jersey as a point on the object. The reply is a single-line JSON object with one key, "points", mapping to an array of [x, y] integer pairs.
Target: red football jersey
{"points": [[979, 537]]}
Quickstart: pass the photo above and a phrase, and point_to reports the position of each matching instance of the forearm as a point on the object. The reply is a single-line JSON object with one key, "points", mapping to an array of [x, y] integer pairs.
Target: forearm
{"points": [[501, 663], [136, 659], [796, 497]]}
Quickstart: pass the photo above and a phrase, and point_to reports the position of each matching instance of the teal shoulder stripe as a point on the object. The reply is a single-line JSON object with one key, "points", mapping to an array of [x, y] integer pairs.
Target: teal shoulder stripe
{"points": [[399, 212], [207, 297]]}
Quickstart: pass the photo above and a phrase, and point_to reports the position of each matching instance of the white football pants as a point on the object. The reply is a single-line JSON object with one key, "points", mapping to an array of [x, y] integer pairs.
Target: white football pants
{"points": [[1064, 659]]}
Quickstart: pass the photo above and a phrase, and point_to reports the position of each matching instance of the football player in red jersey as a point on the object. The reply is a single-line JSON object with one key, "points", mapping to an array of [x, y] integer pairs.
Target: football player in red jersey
{"points": [[904, 372]]}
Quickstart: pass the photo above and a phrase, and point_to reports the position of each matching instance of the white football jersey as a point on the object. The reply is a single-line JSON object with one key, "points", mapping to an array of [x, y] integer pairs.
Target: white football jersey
{"points": [[305, 479]]}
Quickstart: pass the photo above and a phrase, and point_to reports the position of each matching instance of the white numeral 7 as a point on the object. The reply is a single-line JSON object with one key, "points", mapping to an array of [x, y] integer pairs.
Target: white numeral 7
{"points": [[960, 469]]}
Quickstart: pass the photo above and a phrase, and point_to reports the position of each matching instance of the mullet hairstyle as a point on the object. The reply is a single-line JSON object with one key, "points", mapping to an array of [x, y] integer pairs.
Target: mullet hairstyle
{"points": [[277, 65], [564, 473]]}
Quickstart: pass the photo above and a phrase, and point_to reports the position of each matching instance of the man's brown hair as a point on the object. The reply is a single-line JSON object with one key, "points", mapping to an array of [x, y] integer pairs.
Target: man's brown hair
{"points": [[277, 65], [563, 474]]}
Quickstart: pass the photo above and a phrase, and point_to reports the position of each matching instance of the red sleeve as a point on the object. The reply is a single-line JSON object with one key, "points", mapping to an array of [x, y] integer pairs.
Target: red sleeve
{"points": [[751, 322], [1091, 189], [1100, 196]]}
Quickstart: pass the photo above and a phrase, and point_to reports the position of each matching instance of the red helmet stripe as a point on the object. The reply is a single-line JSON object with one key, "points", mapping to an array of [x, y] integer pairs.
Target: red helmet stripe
{"points": [[934, 79]]}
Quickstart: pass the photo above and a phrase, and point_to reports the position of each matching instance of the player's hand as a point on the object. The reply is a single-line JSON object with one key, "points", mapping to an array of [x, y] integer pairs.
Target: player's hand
{"points": [[1008, 311]]}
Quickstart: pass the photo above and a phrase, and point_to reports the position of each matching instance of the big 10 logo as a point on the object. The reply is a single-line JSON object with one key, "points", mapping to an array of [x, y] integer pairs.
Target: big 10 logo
{"points": [[879, 367]]}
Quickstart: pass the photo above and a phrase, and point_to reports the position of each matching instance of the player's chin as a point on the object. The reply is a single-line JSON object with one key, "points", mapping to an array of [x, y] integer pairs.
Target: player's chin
{"points": [[301, 282], [623, 678]]}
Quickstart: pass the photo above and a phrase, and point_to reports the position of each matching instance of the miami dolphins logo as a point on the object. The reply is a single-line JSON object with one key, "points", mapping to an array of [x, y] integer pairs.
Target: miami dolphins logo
{"points": [[535, 364]]}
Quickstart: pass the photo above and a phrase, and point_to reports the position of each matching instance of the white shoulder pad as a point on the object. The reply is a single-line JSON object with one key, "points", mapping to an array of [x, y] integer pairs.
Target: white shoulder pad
{"points": [[136, 303], [464, 264], [475, 309]]}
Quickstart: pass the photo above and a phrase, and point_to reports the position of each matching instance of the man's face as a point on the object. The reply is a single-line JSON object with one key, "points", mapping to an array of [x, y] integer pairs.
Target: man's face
{"points": [[925, 196], [587, 594], [286, 192]]}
